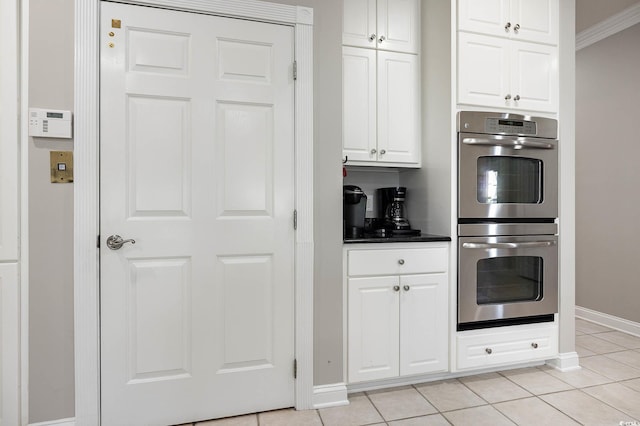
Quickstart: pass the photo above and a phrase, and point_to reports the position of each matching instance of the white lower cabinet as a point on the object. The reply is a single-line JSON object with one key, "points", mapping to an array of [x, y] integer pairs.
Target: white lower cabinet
{"points": [[397, 321], [508, 345]]}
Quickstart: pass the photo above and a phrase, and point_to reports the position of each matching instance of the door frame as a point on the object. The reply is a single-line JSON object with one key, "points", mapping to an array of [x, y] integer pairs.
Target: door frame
{"points": [[87, 196]]}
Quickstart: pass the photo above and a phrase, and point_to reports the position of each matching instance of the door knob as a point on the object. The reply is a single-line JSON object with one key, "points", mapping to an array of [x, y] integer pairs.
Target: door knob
{"points": [[381, 39], [372, 37], [115, 242]]}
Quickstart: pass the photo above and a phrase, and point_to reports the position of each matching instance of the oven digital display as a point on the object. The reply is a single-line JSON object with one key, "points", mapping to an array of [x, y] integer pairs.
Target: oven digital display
{"points": [[511, 123], [500, 126]]}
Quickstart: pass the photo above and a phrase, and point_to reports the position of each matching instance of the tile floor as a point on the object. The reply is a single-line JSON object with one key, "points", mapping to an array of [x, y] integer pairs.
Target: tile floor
{"points": [[606, 391]]}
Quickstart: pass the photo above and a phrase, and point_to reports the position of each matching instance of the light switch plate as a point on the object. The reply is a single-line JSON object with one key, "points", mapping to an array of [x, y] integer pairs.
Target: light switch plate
{"points": [[61, 166]]}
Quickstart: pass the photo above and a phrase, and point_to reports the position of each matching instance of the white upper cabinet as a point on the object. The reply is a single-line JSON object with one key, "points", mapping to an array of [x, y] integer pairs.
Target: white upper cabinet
{"points": [[381, 107], [502, 73], [382, 24], [525, 20]]}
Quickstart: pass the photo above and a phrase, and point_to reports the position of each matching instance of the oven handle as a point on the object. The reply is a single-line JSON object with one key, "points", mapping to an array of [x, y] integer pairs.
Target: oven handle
{"points": [[530, 244], [510, 142]]}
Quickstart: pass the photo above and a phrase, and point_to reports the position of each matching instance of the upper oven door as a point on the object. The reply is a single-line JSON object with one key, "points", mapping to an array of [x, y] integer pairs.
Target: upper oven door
{"points": [[507, 177]]}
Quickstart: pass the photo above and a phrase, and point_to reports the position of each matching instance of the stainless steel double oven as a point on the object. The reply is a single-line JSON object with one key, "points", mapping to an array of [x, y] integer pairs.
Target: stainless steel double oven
{"points": [[507, 219]]}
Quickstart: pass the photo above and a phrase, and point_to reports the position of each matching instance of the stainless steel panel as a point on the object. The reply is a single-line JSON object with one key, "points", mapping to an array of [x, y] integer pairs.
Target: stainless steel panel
{"points": [[476, 121], [498, 229]]}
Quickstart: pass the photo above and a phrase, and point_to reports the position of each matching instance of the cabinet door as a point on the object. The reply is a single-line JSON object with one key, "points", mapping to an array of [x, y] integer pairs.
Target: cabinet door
{"points": [[399, 25], [423, 323], [359, 23], [536, 20], [373, 328], [359, 104], [483, 70], [534, 77], [398, 108], [484, 16]]}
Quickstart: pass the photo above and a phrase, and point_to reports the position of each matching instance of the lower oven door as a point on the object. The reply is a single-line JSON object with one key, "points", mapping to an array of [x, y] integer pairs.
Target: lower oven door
{"points": [[507, 277]]}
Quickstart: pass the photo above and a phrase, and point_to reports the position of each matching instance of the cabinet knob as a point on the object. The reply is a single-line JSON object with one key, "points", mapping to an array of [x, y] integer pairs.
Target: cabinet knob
{"points": [[506, 98], [396, 288], [506, 27], [383, 152], [400, 261], [516, 28], [488, 351], [406, 288], [516, 98], [372, 37], [373, 151], [381, 39], [534, 345]]}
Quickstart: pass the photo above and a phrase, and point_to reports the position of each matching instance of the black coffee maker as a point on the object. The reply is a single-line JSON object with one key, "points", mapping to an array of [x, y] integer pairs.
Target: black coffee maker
{"points": [[354, 208], [392, 210]]}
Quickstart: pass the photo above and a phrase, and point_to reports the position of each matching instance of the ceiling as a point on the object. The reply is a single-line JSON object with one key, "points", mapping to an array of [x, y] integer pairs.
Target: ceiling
{"points": [[590, 12]]}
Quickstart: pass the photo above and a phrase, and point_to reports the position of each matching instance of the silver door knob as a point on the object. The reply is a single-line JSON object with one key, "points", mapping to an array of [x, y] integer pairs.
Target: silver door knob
{"points": [[372, 37], [506, 27], [516, 98], [396, 288], [406, 288], [534, 345], [383, 152], [373, 151], [516, 28], [506, 98], [381, 39], [400, 261], [115, 242], [488, 351]]}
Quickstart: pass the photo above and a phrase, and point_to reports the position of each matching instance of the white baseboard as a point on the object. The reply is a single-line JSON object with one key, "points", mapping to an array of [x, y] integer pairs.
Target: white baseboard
{"points": [[568, 361], [61, 422], [332, 395], [607, 320]]}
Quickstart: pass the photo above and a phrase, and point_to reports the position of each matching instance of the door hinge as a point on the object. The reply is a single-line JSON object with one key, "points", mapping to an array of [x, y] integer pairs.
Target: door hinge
{"points": [[295, 70], [98, 242], [295, 368], [295, 219]]}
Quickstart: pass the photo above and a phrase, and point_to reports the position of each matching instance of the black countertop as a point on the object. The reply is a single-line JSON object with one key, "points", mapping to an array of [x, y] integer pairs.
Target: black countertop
{"points": [[422, 238]]}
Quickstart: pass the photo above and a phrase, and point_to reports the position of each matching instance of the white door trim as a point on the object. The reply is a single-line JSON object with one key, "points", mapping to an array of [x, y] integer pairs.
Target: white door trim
{"points": [[86, 184]]}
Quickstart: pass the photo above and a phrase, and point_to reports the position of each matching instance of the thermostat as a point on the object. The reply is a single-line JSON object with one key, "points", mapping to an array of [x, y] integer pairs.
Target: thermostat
{"points": [[49, 123]]}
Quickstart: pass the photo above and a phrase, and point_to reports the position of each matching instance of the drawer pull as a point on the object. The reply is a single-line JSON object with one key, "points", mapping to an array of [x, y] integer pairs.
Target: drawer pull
{"points": [[401, 261], [488, 351], [534, 345], [396, 288]]}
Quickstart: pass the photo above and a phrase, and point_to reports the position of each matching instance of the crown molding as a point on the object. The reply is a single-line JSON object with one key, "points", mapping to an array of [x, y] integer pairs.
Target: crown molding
{"points": [[610, 26]]}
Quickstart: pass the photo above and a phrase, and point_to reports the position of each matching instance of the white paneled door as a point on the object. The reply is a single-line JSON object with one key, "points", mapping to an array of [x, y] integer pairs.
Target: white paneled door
{"points": [[196, 152]]}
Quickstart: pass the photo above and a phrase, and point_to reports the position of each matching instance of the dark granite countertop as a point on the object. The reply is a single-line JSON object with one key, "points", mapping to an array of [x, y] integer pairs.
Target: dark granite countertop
{"points": [[422, 238]]}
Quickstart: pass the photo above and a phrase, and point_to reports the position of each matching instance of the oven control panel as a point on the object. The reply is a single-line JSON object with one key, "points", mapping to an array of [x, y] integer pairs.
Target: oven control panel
{"points": [[509, 126]]}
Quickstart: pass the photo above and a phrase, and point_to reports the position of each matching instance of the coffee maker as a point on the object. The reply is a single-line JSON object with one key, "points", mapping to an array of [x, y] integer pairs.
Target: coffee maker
{"points": [[392, 210], [354, 209]]}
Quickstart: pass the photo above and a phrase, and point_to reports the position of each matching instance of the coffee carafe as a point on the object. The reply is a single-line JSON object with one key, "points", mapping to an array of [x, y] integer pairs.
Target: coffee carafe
{"points": [[392, 208], [354, 210]]}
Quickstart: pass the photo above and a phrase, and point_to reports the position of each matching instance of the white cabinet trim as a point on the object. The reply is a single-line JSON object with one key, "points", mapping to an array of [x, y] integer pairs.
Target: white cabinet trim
{"points": [[86, 196]]}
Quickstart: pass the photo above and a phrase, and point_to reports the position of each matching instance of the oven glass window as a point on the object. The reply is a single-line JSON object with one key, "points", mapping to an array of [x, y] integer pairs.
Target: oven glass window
{"points": [[504, 180], [509, 279]]}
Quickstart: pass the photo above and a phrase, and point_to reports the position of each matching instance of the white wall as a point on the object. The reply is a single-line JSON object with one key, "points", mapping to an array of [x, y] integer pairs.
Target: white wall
{"points": [[51, 362], [607, 175]]}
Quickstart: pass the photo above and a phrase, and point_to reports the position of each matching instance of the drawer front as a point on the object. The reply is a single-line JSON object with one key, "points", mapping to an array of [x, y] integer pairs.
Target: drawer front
{"points": [[397, 261], [506, 347]]}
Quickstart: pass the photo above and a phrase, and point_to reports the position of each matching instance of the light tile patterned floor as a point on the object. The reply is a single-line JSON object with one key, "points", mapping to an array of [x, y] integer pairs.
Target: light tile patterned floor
{"points": [[606, 391]]}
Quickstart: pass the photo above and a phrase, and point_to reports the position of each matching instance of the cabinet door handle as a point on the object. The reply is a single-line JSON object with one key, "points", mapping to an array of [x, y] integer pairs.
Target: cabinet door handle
{"points": [[488, 351], [372, 37], [516, 28], [506, 27], [383, 152], [400, 261], [396, 288], [534, 345], [516, 98], [381, 39], [373, 151], [506, 98], [406, 288]]}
